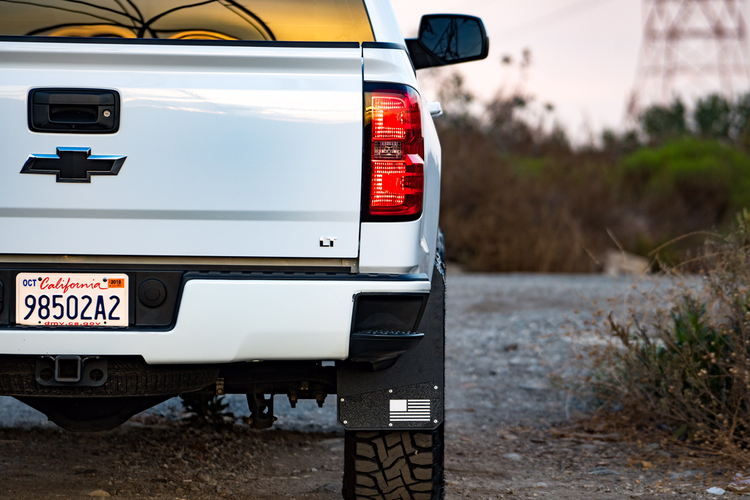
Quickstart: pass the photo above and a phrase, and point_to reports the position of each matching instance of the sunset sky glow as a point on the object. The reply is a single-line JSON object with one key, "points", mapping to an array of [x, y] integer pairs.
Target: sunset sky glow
{"points": [[585, 52]]}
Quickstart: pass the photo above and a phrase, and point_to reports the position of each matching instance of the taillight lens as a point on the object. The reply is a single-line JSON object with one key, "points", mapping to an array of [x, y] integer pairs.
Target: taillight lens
{"points": [[397, 152]]}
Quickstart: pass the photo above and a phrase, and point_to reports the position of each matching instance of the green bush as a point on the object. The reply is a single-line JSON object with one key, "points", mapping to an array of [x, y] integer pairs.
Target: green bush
{"points": [[714, 117], [701, 172], [665, 122]]}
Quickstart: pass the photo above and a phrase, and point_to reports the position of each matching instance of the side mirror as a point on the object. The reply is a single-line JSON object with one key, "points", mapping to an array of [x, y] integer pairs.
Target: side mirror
{"points": [[448, 39]]}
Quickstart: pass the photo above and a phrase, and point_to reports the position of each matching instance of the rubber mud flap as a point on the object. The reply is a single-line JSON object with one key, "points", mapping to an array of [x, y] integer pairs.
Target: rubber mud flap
{"points": [[405, 395]]}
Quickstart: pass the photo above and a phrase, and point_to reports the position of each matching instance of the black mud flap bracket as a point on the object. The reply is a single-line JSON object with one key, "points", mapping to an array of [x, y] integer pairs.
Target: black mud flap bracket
{"points": [[408, 395]]}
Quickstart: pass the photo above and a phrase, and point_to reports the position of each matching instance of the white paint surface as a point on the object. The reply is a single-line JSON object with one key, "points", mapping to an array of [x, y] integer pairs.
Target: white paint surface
{"points": [[231, 151], [226, 321]]}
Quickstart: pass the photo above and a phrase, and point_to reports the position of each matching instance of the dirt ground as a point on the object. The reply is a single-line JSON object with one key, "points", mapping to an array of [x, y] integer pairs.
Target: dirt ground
{"points": [[509, 433]]}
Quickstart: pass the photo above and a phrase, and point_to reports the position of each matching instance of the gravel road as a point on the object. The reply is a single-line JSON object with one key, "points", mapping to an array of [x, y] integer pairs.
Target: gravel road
{"points": [[505, 336]]}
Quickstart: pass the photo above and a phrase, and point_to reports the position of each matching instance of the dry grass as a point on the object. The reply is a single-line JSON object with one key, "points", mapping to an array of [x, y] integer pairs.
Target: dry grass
{"points": [[506, 213], [680, 360]]}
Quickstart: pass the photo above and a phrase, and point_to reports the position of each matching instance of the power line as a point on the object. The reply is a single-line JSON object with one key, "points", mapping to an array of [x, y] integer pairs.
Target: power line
{"points": [[552, 18], [691, 47]]}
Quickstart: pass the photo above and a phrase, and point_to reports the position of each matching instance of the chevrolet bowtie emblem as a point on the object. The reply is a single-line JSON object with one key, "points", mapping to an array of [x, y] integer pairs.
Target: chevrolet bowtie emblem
{"points": [[73, 165]]}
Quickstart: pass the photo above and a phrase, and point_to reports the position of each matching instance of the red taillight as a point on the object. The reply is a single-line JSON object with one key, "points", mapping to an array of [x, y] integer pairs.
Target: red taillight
{"points": [[397, 152]]}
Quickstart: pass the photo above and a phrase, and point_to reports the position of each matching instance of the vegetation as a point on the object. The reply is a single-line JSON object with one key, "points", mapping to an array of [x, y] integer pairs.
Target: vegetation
{"points": [[206, 410], [686, 365], [517, 196]]}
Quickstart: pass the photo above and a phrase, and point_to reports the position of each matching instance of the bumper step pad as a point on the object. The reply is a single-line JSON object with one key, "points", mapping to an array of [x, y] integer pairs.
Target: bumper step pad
{"points": [[381, 348]]}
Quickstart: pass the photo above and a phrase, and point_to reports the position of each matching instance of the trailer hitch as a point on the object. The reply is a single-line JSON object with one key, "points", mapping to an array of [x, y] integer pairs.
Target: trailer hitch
{"points": [[71, 371]]}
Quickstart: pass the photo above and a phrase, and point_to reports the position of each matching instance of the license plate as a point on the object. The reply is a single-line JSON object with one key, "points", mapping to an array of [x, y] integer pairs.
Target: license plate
{"points": [[59, 299]]}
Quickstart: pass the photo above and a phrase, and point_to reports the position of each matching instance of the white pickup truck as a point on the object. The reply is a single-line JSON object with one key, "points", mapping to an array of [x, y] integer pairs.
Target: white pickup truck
{"points": [[228, 196]]}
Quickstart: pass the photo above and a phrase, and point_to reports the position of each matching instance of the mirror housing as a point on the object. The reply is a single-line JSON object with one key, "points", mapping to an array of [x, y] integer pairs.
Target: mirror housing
{"points": [[448, 39]]}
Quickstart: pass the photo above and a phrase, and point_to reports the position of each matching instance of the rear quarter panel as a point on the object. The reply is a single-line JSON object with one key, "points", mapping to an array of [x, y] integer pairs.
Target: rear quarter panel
{"points": [[403, 247]]}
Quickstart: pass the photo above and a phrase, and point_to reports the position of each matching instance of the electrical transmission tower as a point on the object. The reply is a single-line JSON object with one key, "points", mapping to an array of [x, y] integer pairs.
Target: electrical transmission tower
{"points": [[691, 48], [447, 44]]}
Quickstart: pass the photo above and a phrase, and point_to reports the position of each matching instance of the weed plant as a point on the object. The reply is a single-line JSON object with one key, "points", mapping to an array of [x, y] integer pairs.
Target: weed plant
{"points": [[685, 364], [207, 410]]}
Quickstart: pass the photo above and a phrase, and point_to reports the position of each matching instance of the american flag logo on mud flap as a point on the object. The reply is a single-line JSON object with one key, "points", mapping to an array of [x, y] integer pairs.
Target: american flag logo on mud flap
{"points": [[410, 410]]}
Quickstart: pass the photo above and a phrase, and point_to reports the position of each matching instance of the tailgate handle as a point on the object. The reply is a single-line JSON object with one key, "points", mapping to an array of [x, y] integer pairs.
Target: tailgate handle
{"points": [[74, 111]]}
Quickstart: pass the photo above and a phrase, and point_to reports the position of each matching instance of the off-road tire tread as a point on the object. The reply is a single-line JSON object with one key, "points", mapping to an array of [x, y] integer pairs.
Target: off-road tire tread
{"points": [[403, 465]]}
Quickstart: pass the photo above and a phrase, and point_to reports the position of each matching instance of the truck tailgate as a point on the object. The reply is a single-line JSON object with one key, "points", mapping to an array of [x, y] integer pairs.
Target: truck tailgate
{"points": [[235, 151]]}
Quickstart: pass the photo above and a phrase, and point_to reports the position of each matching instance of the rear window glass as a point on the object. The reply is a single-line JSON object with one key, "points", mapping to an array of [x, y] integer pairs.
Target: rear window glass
{"points": [[285, 20]]}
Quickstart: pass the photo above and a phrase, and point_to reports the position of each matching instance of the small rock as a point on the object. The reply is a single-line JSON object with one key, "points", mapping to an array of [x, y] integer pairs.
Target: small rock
{"points": [[330, 442], [328, 488], [534, 385], [641, 464], [716, 491], [521, 361], [602, 471], [202, 477], [589, 447], [539, 485], [98, 493], [684, 475], [617, 263], [513, 456], [740, 484]]}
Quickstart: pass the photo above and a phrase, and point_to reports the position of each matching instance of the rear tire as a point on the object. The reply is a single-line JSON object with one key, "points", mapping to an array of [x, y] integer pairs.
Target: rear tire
{"points": [[405, 465]]}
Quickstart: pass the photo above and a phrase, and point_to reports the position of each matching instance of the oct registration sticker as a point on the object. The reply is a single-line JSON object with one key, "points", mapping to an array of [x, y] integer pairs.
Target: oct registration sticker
{"points": [[51, 300]]}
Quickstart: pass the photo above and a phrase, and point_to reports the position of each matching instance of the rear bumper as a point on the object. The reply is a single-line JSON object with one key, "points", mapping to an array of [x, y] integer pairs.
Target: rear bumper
{"points": [[224, 321]]}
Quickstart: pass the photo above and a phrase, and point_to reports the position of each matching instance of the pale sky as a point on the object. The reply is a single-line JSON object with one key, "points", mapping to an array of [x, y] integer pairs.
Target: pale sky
{"points": [[585, 52]]}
